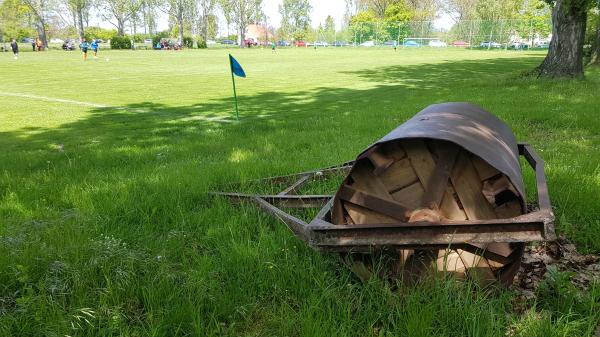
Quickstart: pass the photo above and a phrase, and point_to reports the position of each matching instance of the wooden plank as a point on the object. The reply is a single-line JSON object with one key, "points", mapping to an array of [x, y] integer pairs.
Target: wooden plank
{"points": [[468, 188], [379, 161], [365, 180], [484, 170], [400, 174], [436, 186], [423, 164], [509, 209], [393, 150], [410, 196], [449, 207], [449, 260], [492, 187], [361, 215], [373, 202]]}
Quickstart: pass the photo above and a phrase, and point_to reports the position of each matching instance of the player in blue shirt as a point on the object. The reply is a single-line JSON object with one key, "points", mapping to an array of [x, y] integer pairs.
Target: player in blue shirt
{"points": [[84, 45], [94, 46]]}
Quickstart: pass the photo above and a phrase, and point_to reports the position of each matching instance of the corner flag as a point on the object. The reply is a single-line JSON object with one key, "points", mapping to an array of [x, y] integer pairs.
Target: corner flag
{"points": [[237, 70]]}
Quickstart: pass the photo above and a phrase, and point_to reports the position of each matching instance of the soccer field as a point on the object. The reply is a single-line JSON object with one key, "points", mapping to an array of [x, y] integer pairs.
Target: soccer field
{"points": [[107, 227]]}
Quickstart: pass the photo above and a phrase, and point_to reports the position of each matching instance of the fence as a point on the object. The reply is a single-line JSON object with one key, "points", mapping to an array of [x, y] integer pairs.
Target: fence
{"points": [[466, 32]]}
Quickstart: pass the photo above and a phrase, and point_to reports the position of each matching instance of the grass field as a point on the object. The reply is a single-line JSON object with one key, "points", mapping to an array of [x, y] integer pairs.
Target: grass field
{"points": [[107, 229]]}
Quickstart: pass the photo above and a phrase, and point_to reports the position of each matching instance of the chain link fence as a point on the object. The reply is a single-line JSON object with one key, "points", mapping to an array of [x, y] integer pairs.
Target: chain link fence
{"points": [[466, 33]]}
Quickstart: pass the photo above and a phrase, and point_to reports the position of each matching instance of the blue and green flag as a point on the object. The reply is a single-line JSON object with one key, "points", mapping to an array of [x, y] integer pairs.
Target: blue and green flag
{"points": [[237, 70]]}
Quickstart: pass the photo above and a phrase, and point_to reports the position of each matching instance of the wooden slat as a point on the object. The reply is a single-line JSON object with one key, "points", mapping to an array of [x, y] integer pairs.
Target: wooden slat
{"points": [[379, 161], [484, 170], [361, 215], [409, 196], [400, 174], [365, 180], [468, 188], [509, 209], [373, 202], [492, 187], [436, 186], [423, 164], [449, 207], [393, 150]]}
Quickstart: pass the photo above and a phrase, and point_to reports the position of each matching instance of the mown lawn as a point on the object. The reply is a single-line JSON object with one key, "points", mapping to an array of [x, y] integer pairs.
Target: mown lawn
{"points": [[107, 227]]}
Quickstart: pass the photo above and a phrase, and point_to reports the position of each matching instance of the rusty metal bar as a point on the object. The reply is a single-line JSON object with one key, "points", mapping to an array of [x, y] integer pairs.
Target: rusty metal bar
{"points": [[297, 226], [292, 189], [537, 164], [290, 201]]}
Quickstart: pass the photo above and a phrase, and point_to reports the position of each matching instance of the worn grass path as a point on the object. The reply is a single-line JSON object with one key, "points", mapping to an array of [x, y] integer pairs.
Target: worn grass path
{"points": [[106, 227]]}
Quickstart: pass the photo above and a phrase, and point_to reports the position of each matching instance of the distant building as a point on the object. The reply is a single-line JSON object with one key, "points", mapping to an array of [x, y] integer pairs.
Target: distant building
{"points": [[258, 33]]}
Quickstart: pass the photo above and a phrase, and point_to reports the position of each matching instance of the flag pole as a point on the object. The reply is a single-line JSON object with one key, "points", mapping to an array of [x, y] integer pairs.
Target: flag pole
{"points": [[237, 112]]}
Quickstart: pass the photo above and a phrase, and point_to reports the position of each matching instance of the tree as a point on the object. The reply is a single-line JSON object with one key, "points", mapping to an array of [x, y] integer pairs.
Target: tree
{"points": [[118, 12], [295, 18], [206, 16], [79, 8], [595, 38], [242, 13], [565, 54], [39, 9]]}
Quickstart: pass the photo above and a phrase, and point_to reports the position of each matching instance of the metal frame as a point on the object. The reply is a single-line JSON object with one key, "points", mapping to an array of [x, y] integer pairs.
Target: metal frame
{"points": [[321, 234]]}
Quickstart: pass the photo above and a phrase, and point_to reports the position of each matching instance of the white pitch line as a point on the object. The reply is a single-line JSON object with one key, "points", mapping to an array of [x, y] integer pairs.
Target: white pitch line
{"points": [[52, 99]]}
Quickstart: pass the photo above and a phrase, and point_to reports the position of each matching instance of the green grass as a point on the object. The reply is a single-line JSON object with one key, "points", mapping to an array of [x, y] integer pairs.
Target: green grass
{"points": [[107, 229]]}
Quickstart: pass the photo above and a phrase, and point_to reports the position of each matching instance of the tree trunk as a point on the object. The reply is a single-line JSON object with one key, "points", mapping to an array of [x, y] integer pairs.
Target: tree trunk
{"points": [[80, 23], [595, 57], [565, 55], [41, 27], [180, 27], [120, 27]]}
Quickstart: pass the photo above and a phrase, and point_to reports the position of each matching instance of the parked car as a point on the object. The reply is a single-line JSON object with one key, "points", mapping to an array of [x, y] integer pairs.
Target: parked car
{"points": [[490, 44], [368, 44], [390, 43], [211, 42], [283, 43], [147, 41], [27, 40], [55, 40], [248, 42], [461, 44], [340, 44], [437, 44], [227, 41], [301, 44], [518, 45], [542, 45], [321, 44], [411, 43]]}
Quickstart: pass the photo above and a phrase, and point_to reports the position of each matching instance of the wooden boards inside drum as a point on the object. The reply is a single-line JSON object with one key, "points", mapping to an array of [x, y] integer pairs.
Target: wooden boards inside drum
{"points": [[431, 180]]}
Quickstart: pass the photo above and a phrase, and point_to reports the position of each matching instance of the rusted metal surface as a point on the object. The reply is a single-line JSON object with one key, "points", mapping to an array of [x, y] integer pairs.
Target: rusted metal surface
{"points": [[468, 126]]}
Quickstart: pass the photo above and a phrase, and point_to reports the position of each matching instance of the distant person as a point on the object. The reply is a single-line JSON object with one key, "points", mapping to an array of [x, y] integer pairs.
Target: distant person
{"points": [[39, 44], [15, 48], [94, 47], [273, 47], [33, 44], [84, 45]]}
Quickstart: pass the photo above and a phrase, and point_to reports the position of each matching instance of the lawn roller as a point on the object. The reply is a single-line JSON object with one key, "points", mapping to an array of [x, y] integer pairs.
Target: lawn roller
{"points": [[442, 192]]}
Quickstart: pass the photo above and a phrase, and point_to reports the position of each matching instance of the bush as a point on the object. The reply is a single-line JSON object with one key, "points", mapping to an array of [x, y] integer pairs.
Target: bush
{"points": [[120, 42], [188, 42], [201, 44], [139, 38]]}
